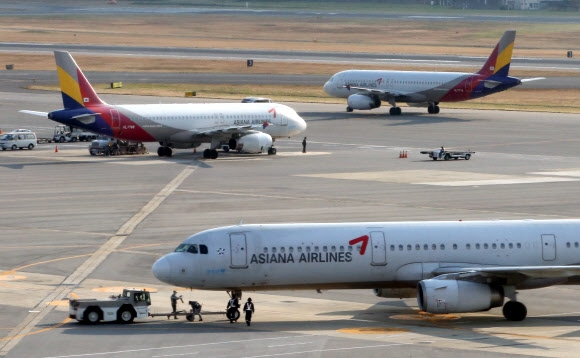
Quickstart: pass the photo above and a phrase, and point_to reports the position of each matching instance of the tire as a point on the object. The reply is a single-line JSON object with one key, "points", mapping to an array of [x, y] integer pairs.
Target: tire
{"points": [[190, 317], [447, 156], [467, 156], [30, 146], [125, 314], [14, 147], [514, 311], [61, 139], [434, 158], [207, 153], [91, 316]]}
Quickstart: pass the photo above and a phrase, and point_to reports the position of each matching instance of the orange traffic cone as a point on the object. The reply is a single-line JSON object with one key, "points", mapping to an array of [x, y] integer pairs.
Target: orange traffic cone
{"points": [[56, 149], [400, 154], [405, 154]]}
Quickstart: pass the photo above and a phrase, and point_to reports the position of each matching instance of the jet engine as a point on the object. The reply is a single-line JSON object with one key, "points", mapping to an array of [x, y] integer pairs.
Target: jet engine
{"points": [[452, 296], [360, 101], [395, 292], [252, 143]]}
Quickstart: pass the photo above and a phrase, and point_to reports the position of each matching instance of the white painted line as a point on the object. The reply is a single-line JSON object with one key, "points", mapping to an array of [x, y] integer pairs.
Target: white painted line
{"points": [[500, 181], [291, 344], [328, 350]]}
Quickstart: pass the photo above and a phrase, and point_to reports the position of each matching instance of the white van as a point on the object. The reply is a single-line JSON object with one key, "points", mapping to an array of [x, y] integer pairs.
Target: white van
{"points": [[18, 139]]}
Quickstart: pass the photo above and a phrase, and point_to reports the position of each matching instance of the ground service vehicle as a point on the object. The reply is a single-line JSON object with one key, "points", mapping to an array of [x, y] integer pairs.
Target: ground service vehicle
{"points": [[116, 147], [64, 133], [448, 154], [123, 308], [18, 139]]}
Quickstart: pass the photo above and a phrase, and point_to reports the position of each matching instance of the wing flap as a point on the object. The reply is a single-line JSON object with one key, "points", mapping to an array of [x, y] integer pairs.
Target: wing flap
{"points": [[505, 271]]}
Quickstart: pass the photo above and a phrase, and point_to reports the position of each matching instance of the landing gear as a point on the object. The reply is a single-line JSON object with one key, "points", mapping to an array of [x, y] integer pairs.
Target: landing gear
{"points": [[514, 311], [164, 152], [433, 109], [395, 111], [271, 151], [348, 109], [210, 154]]}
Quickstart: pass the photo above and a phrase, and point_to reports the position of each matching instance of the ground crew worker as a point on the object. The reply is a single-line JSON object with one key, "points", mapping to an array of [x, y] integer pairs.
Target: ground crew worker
{"points": [[249, 309], [232, 307], [441, 152], [174, 298], [304, 145]]}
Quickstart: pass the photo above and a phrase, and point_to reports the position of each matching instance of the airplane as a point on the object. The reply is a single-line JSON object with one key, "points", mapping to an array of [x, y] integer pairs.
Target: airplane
{"points": [[367, 89], [245, 127], [450, 266]]}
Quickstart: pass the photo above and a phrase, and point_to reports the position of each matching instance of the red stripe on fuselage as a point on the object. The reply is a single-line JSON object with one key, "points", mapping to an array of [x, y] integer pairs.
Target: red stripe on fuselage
{"points": [[462, 91], [122, 127]]}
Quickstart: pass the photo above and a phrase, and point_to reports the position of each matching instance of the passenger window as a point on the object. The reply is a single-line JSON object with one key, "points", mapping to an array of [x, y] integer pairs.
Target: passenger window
{"points": [[282, 250], [518, 245], [417, 247], [324, 248], [333, 248], [392, 247], [299, 248], [434, 247], [494, 246], [510, 245], [425, 247], [502, 246], [291, 249], [341, 248], [192, 249], [349, 248], [400, 247], [203, 249], [442, 247], [307, 248], [409, 247], [568, 245], [468, 246], [575, 244], [485, 246], [265, 250], [454, 246], [273, 250], [315, 248], [477, 246]]}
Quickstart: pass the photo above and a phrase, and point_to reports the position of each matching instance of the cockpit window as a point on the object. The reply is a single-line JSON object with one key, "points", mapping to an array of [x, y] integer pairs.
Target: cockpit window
{"points": [[192, 249], [182, 248], [203, 249]]}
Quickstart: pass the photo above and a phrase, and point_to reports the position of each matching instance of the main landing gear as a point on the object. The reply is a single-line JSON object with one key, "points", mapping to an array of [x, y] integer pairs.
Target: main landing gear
{"points": [[514, 311], [210, 154], [433, 109], [271, 151], [164, 151], [395, 111]]}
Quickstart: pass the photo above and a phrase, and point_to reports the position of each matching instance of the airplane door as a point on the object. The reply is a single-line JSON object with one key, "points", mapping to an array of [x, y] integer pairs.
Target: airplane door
{"points": [[379, 249], [238, 250], [115, 120], [548, 247]]}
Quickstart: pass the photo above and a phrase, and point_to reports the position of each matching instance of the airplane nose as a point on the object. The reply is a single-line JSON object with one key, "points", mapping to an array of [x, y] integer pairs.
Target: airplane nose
{"points": [[300, 124], [162, 270], [326, 87]]}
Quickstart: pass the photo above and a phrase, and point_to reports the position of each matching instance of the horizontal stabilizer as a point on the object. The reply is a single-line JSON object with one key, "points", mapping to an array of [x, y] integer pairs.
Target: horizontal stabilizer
{"points": [[36, 113], [87, 118], [533, 79]]}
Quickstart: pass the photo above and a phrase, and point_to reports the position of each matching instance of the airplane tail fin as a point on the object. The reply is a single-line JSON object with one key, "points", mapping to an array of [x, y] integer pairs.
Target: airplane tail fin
{"points": [[498, 62], [76, 90]]}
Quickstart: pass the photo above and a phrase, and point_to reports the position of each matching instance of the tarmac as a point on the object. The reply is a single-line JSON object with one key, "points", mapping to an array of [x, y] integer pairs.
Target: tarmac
{"points": [[76, 225]]}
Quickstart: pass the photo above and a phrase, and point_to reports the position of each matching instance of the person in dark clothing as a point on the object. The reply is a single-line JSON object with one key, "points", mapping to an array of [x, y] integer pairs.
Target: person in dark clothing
{"points": [[249, 309], [304, 145], [174, 298], [233, 305]]}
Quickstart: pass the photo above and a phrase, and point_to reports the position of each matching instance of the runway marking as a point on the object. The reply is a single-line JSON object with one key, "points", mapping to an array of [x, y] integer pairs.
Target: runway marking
{"points": [[94, 260], [291, 344], [373, 330], [440, 178]]}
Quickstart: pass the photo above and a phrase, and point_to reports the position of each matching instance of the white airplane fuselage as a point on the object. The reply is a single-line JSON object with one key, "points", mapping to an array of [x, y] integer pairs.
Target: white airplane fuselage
{"points": [[397, 255]]}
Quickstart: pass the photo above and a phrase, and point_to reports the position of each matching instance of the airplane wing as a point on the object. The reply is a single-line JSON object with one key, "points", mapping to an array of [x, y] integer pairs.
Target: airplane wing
{"points": [[36, 113], [373, 91], [516, 273], [227, 130]]}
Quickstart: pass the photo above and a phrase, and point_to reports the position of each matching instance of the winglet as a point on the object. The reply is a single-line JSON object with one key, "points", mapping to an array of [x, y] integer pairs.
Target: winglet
{"points": [[75, 88], [498, 62]]}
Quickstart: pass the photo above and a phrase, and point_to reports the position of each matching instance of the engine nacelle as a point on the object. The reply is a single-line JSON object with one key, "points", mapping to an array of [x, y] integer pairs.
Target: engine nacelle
{"points": [[395, 292], [252, 143], [452, 296], [360, 101]]}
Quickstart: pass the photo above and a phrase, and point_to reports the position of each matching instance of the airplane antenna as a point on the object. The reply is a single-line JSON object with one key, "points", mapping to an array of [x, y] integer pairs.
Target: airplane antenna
{"points": [[241, 222]]}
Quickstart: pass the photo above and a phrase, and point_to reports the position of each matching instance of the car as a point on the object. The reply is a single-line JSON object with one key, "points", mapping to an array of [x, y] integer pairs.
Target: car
{"points": [[256, 100], [18, 140]]}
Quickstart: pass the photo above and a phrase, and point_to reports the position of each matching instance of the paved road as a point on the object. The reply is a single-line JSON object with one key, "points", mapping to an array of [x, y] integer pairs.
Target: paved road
{"points": [[72, 223]]}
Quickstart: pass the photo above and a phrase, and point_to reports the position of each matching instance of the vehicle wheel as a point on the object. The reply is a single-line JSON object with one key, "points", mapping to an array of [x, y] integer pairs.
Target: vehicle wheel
{"points": [[73, 140], [168, 152], [434, 158], [206, 153], [91, 316], [161, 151], [190, 317], [447, 156], [213, 154], [14, 147], [435, 109], [430, 110], [514, 311], [348, 109], [31, 146], [125, 315], [61, 139], [467, 156], [272, 151]]}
